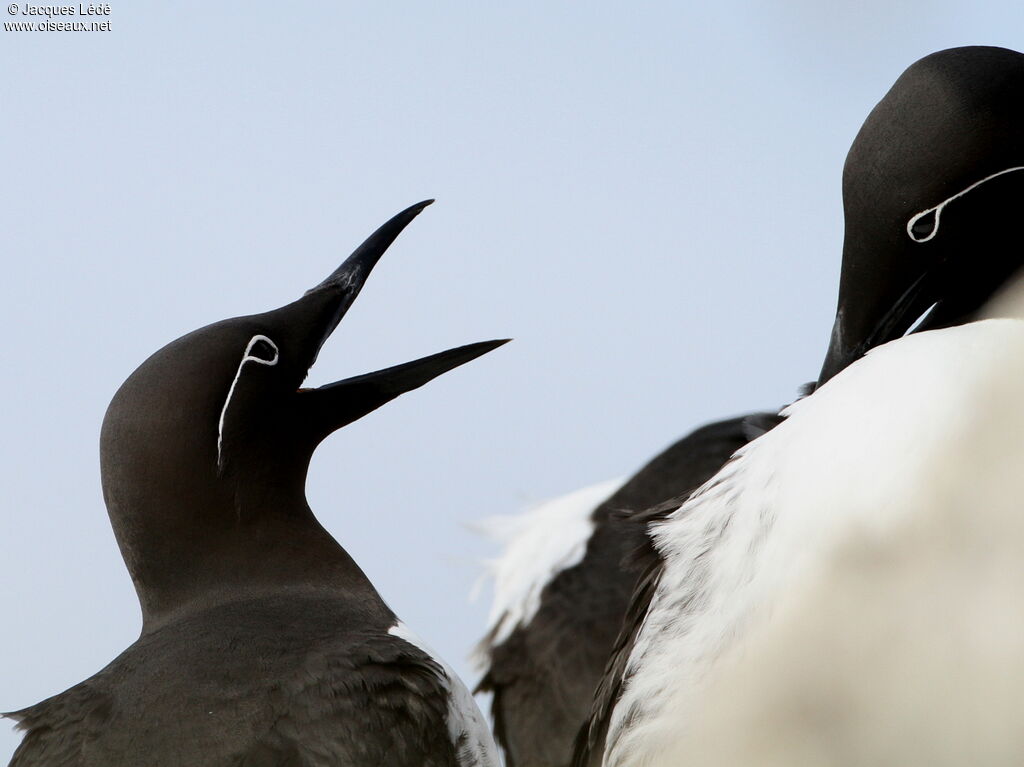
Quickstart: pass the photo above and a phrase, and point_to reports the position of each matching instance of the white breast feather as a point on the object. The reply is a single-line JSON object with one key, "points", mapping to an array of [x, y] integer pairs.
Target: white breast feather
{"points": [[539, 544], [849, 460]]}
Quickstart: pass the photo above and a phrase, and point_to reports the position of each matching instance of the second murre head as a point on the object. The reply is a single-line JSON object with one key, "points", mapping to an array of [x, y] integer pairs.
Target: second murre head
{"points": [[931, 189], [205, 447]]}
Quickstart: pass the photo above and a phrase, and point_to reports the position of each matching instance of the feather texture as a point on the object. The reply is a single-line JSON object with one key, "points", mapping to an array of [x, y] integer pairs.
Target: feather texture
{"points": [[850, 459]]}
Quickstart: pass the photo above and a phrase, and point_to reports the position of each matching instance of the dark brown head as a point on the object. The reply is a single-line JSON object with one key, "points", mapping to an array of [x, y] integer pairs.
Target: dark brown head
{"points": [[931, 187], [205, 447]]}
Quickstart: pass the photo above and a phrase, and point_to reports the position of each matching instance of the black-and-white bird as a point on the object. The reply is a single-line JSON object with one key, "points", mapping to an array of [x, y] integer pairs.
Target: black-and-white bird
{"points": [[932, 187], [263, 643], [562, 587]]}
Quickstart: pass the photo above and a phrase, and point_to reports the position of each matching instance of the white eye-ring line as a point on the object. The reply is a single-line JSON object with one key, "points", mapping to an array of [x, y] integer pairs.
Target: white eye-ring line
{"points": [[938, 208], [247, 357]]}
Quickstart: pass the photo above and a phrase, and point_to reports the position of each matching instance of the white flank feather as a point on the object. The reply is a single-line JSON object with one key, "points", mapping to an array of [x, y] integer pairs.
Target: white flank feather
{"points": [[539, 544], [858, 460], [910, 649]]}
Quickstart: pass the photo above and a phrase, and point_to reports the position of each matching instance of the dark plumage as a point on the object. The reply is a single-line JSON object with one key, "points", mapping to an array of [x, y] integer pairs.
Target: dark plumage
{"points": [[290, 679], [263, 643], [543, 675]]}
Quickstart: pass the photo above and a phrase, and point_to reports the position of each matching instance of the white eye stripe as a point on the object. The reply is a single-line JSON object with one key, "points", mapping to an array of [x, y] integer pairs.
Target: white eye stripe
{"points": [[246, 357], [937, 210]]}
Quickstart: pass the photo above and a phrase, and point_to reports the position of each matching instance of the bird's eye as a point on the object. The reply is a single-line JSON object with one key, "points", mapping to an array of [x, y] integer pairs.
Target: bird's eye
{"points": [[924, 225], [262, 349]]}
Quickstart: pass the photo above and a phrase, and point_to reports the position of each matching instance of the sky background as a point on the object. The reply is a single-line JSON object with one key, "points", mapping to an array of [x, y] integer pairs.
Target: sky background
{"points": [[646, 198]]}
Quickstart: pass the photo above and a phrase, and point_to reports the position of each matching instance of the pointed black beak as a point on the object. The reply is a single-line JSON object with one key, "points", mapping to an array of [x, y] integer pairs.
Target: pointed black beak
{"points": [[323, 307], [356, 268], [305, 325], [857, 330], [330, 407]]}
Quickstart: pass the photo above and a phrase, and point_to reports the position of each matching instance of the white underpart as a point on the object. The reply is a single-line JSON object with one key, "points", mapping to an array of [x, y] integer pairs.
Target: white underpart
{"points": [[467, 728], [246, 357], [911, 645], [853, 459], [539, 544], [937, 210]]}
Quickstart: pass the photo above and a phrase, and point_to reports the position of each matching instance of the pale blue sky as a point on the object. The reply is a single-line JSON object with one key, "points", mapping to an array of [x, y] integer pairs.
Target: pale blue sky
{"points": [[646, 197]]}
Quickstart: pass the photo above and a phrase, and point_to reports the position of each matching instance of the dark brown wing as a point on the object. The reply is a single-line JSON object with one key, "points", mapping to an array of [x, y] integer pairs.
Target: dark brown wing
{"points": [[543, 676], [647, 566]]}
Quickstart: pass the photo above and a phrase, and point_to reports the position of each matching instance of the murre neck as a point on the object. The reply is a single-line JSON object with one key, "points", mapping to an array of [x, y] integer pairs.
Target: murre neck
{"points": [[196, 549]]}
